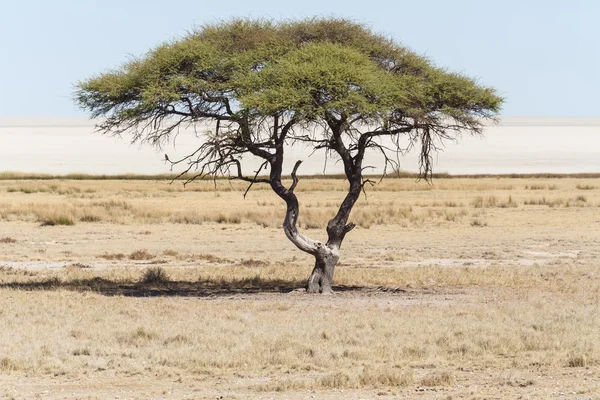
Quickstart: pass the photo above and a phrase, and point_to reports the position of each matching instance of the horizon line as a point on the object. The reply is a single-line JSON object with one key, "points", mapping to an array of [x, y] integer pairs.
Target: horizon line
{"points": [[82, 121]]}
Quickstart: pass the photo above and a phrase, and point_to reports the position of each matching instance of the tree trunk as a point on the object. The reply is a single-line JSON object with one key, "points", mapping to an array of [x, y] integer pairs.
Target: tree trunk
{"points": [[321, 278]]}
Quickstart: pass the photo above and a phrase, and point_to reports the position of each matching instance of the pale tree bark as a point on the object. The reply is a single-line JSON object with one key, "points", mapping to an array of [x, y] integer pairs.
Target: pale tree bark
{"points": [[326, 255]]}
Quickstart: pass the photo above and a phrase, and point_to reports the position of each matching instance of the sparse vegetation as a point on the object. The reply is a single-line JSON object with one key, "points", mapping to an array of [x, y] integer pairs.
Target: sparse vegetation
{"points": [[442, 313]]}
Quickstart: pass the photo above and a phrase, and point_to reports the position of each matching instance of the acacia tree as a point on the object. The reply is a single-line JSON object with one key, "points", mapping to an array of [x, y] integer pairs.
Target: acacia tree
{"points": [[328, 84]]}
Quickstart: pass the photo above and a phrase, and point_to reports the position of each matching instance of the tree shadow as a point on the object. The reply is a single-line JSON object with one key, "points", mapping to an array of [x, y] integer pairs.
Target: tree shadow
{"points": [[200, 289]]}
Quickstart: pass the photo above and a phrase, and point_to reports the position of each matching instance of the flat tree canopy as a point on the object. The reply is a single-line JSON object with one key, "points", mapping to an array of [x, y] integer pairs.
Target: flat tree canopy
{"points": [[327, 83]]}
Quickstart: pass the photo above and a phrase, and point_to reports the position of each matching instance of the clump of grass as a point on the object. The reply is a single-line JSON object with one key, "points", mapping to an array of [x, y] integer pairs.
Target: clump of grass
{"points": [[141, 255], [544, 202], [78, 265], [228, 219], [8, 364], [7, 239], [170, 253], [508, 203], [187, 219], [254, 263], [155, 275], [581, 198], [112, 256], [577, 361], [90, 218], [585, 187], [81, 351], [535, 187], [478, 223], [481, 202], [54, 220], [385, 376], [437, 379]]}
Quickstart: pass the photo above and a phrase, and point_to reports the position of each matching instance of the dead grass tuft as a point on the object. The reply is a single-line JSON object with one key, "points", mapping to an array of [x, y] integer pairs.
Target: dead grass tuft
{"points": [[438, 379], [8, 239], [90, 218], [577, 361], [478, 223], [585, 187], [254, 263], [377, 376], [112, 256], [139, 255]]}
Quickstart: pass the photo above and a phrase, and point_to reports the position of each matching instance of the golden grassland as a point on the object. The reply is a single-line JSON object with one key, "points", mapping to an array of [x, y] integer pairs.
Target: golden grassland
{"points": [[467, 288]]}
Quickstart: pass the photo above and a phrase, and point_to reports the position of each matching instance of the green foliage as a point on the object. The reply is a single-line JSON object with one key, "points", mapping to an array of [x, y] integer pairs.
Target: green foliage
{"points": [[307, 67]]}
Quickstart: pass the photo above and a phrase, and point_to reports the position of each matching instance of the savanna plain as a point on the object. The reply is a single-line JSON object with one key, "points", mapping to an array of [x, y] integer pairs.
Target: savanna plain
{"points": [[475, 288]]}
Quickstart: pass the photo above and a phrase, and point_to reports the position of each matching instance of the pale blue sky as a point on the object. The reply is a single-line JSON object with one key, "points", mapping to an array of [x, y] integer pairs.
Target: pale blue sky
{"points": [[543, 56]]}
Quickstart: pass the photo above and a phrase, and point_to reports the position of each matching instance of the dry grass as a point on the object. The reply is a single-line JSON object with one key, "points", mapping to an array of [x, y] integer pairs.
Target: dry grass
{"points": [[447, 287], [127, 202]]}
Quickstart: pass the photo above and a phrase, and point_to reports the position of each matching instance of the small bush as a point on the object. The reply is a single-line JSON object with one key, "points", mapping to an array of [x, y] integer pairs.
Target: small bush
{"points": [[478, 223], [155, 275], [141, 255], [8, 240]]}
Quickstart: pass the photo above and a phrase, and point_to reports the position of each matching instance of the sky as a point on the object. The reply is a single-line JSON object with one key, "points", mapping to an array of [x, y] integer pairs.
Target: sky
{"points": [[542, 56]]}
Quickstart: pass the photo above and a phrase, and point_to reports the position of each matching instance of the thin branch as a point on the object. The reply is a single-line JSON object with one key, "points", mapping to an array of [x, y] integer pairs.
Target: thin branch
{"points": [[294, 176]]}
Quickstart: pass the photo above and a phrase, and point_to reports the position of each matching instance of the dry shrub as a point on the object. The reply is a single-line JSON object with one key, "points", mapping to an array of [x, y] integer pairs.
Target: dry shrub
{"points": [[155, 275], [141, 255], [7, 239]]}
